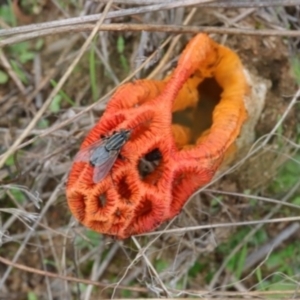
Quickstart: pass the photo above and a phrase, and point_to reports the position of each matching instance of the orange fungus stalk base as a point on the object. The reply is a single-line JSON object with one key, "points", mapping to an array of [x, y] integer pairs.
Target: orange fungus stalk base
{"points": [[191, 118]]}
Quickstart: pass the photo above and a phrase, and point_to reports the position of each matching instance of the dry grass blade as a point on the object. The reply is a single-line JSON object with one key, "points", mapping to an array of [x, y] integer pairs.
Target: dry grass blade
{"points": [[216, 225]]}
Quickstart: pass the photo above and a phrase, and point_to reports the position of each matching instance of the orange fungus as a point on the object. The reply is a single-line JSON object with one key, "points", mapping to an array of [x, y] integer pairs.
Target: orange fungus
{"points": [[181, 126]]}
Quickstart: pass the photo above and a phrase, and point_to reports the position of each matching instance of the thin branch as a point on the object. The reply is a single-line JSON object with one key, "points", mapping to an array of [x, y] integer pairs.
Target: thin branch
{"points": [[263, 251], [178, 29], [94, 18], [67, 278], [136, 288], [221, 225], [166, 5], [7, 65], [217, 4]]}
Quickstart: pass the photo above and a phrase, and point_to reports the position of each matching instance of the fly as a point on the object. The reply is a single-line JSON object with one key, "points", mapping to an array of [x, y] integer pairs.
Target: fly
{"points": [[103, 153]]}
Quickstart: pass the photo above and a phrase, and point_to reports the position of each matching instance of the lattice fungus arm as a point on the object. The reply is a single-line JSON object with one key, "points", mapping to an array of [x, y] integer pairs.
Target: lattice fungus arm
{"points": [[191, 118]]}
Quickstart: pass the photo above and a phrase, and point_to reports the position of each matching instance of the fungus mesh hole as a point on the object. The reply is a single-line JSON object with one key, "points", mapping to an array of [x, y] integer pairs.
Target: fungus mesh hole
{"points": [[144, 208], [102, 200], [124, 189], [78, 200], [150, 166]]}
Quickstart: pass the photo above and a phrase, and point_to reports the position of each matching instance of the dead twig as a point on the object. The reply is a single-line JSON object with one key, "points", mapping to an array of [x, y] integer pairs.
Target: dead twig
{"points": [[216, 225], [216, 4], [176, 29], [94, 18]]}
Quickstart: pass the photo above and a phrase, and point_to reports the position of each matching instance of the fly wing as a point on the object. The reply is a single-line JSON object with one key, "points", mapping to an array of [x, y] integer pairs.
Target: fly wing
{"points": [[85, 154], [101, 170]]}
